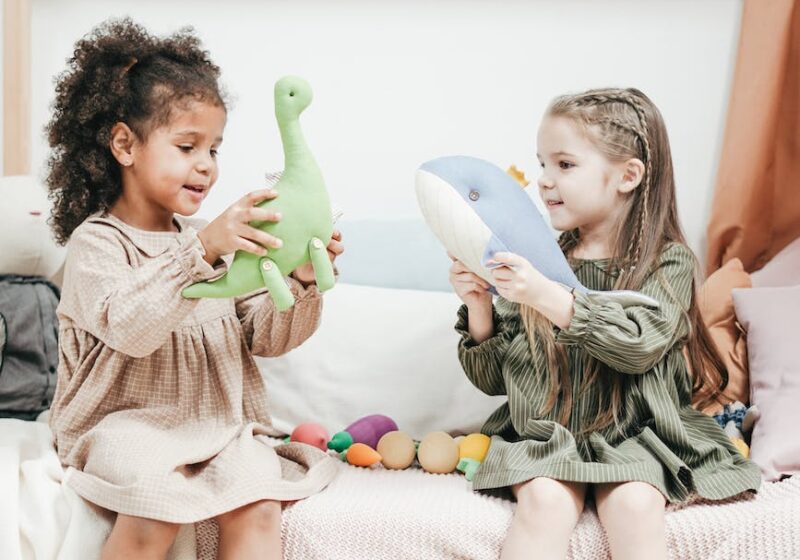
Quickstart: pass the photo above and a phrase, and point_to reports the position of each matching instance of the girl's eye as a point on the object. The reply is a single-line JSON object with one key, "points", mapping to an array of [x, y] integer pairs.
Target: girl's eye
{"points": [[541, 164], [186, 149], [565, 164], [214, 152]]}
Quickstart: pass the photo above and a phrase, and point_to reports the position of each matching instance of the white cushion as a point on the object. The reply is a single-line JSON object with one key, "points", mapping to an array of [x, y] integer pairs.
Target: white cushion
{"points": [[27, 246], [378, 351]]}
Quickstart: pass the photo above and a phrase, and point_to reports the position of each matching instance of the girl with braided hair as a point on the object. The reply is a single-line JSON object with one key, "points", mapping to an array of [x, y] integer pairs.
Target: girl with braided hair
{"points": [[160, 410], [599, 395]]}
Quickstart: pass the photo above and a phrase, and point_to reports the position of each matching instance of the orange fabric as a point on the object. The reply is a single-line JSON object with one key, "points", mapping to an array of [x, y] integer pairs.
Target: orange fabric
{"points": [[715, 301], [756, 208]]}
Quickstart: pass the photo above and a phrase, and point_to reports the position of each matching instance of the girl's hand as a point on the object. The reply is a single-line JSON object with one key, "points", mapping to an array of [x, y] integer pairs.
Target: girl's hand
{"points": [[471, 288], [231, 230], [305, 273], [517, 280]]}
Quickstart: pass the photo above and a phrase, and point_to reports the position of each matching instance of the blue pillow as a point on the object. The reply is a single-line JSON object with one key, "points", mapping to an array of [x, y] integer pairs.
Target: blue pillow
{"points": [[393, 254]]}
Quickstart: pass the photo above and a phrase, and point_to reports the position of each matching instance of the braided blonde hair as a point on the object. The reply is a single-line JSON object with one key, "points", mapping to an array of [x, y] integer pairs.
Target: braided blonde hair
{"points": [[624, 124]]}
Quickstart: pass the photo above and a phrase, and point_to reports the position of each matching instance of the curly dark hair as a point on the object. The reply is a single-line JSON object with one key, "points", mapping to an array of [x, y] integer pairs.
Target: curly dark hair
{"points": [[118, 73]]}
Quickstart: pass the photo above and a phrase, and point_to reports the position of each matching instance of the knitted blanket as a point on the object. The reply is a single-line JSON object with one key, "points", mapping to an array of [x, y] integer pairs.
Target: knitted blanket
{"points": [[373, 514], [379, 514]]}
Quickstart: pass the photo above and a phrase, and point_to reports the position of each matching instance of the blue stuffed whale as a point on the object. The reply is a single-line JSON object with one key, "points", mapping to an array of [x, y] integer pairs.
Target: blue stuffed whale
{"points": [[476, 210]]}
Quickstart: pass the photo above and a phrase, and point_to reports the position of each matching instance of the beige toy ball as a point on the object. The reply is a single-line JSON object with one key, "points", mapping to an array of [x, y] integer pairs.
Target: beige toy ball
{"points": [[397, 450], [438, 453], [27, 245]]}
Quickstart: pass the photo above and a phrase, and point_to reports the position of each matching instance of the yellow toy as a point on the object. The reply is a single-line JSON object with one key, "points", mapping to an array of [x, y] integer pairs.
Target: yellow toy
{"points": [[471, 451]]}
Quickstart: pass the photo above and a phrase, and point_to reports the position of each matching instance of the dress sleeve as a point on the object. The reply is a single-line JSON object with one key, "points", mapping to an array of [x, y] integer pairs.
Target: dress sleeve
{"points": [[132, 309], [483, 363], [633, 339], [269, 332]]}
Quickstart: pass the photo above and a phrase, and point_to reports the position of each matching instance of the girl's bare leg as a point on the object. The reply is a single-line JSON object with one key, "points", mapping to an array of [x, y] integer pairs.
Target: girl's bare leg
{"points": [[138, 538], [547, 511], [632, 514], [251, 532]]}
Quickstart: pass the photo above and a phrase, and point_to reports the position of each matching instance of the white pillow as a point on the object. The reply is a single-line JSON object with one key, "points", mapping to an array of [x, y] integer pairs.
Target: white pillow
{"points": [[378, 351]]}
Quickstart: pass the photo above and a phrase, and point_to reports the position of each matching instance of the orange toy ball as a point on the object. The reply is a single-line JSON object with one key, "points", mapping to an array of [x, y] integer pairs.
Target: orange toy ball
{"points": [[312, 434], [361, 455], [397, 449], [438, 453]]}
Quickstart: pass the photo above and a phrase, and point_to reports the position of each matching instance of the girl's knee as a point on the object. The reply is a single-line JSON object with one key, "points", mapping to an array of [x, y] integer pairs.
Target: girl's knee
{"points": [[146, 534], [545, 496], [266, 515], [634, 500], [262, 516]]}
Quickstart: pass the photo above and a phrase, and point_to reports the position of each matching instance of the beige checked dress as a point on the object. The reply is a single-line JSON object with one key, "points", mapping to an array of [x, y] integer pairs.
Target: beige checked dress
{"points": [[662, 440], [160, 410]]}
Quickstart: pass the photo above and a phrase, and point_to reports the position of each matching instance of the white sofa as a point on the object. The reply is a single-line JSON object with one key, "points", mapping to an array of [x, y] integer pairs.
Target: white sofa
{"points": [[387, 350]]}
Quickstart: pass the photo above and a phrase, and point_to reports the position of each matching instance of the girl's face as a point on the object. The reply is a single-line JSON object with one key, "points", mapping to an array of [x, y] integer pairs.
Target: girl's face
{"points": [[579, 185], [173, 171]]}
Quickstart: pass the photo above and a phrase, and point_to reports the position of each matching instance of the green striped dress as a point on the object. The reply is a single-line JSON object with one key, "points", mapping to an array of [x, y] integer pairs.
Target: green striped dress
{"points": [[664, 441]]}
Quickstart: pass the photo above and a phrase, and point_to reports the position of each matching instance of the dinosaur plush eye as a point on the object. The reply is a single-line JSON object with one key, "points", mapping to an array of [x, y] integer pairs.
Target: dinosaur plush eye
{"points": [[291, 94]]}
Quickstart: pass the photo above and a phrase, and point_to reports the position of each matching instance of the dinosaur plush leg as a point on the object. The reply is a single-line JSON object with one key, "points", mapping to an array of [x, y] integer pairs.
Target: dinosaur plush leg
{"points": [[323, 269], [274, 282]]}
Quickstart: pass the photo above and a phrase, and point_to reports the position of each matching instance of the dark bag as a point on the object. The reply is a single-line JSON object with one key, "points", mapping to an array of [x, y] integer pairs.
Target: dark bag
{"points": [[28, 345]]}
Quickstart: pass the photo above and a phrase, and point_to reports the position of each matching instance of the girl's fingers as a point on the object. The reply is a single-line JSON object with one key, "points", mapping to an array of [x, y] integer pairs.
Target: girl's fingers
{"points": [[261, 237], [250, 247], [253, 198], [337, 235], [474, 278], [507, 259], [502, 273], [470, 286], [335, 248], [256, 214], [459, 267]]}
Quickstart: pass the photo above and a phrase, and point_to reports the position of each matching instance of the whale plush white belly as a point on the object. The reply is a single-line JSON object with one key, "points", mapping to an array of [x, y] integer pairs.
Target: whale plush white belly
{"points": [[476, 210]]}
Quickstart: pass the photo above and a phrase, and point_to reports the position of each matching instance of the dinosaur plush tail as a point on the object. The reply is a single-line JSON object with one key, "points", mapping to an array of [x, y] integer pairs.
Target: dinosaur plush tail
{"points": [[220, 288]]}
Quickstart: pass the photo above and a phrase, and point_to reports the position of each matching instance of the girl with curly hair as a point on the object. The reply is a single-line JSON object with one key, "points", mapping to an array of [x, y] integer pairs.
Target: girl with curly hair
{"points": [[160, 411]]}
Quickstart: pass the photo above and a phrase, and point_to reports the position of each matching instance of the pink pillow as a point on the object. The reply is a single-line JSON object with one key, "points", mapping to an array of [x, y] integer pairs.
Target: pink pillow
{"points": [[770, 318], [782, 270]]}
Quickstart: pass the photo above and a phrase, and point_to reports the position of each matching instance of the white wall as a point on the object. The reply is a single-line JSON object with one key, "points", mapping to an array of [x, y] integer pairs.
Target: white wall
{"points": [[399, 83]]}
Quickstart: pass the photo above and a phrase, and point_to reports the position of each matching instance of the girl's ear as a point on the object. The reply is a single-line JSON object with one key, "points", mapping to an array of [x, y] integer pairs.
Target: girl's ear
{"points": [[632, 174], [121, 144]]}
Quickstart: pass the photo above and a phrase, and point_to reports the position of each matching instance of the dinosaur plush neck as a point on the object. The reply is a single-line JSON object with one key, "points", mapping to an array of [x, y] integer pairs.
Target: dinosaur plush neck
{"points": [[307, 225]]}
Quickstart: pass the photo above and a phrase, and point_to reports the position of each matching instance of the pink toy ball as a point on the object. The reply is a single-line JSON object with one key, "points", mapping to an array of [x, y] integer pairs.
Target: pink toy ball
{"points": [[311, 433]]}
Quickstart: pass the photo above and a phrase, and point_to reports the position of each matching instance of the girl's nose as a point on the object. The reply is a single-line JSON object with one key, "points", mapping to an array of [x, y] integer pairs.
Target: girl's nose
{"points": [[545, 182], [204, 165]]}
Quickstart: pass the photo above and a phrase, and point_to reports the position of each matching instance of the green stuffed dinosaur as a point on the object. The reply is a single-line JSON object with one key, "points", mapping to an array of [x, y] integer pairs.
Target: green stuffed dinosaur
{"points": [[307, 224]]}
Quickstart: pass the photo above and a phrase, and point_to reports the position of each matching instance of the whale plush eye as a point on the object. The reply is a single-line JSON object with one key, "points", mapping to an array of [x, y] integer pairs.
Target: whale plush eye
{"points": [[474, 195]]}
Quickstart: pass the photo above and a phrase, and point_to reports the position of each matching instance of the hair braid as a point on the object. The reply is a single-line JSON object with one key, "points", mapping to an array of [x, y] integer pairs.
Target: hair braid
{"points": [[645, 192], [642, 133]]}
